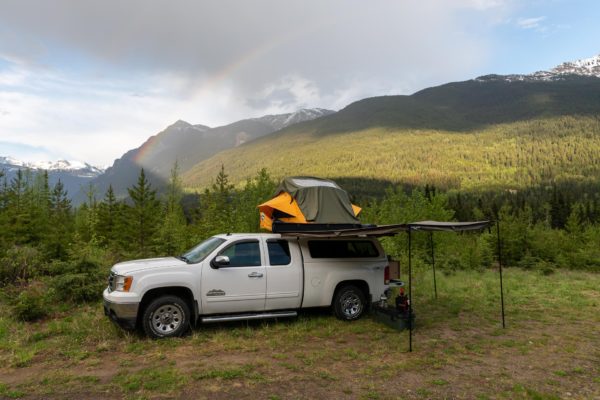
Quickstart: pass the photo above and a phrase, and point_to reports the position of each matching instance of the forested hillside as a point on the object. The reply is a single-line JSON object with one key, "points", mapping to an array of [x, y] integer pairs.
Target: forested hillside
{"points": [[512, 155], [507, 131]]}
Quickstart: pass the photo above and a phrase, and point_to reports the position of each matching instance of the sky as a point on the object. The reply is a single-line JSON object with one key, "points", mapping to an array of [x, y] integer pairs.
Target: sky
{"points": [[88, 80]]}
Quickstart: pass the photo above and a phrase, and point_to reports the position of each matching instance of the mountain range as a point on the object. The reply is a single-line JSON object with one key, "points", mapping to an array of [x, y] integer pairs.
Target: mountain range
{"points": [[514, 130], [188, 145], [72, 174], [453, 135]]}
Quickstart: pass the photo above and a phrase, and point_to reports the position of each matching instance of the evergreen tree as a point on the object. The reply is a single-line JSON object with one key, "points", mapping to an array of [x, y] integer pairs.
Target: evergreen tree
{"points": [[60, 222], [171, 235], [3, 212], [217, 208], [87, 218], [559, 209], [144, 214], [108, 211], [18, 217], [257, 190], [41, 207]]}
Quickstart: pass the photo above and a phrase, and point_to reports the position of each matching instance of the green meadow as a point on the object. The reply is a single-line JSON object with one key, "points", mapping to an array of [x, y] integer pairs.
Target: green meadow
{"points": [[550, 349]]}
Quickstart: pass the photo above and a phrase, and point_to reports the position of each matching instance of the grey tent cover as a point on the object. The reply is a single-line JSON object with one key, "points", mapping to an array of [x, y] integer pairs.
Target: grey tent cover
{"points": [[320, 200]]}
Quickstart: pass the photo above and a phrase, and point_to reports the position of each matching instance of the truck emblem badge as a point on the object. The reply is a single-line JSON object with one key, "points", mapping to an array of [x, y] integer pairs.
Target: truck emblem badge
{"points": [[216, 292]]}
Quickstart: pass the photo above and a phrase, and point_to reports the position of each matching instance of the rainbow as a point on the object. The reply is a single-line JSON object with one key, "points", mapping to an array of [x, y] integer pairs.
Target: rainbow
{"points": [[145, 149], [230, 69], [257, 52]]}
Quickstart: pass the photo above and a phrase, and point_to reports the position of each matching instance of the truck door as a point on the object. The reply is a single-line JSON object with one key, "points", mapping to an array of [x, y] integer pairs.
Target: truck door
{"points": [[239, 286], [284, 274]]}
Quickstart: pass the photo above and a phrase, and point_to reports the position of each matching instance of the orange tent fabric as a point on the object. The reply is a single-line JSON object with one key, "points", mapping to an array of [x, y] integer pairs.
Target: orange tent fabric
{"points": [[284, 207], [318, 196]]}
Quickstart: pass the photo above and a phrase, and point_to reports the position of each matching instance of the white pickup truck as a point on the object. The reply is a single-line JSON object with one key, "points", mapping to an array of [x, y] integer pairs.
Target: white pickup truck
{"points": [[246, 276]]}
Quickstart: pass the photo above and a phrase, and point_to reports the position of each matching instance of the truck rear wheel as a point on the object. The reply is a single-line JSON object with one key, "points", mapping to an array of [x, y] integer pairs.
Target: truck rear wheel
{"points": [[349, 303], [166, 316]]}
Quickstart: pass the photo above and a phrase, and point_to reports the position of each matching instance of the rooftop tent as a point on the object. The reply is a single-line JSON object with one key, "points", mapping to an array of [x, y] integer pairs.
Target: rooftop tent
{"points": [[308, 200]]}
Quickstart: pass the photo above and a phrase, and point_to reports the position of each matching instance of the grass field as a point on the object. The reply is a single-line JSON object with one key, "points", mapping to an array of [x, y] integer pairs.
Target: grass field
{"points": [[550, 349]]}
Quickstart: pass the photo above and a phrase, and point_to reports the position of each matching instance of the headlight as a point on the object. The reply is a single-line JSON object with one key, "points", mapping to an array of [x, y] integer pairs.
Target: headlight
{"points": [[122, 283]]}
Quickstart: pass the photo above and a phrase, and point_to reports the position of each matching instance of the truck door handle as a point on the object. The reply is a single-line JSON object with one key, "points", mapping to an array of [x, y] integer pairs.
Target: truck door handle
{"points": [[255, 275]]}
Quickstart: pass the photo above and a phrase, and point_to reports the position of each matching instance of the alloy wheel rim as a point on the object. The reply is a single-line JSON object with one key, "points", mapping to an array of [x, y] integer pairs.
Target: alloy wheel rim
{"points": [[351, 305], [166, 319]]}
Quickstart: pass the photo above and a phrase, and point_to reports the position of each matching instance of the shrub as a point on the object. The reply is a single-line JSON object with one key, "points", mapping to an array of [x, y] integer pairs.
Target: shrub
{"points": [[528, 261], [449, 264], [20, 263], [82, 281], [32, 303]]}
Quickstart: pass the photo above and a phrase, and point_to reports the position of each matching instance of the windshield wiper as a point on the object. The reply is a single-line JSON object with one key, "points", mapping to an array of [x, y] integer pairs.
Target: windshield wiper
{"points": [[183, 258]]}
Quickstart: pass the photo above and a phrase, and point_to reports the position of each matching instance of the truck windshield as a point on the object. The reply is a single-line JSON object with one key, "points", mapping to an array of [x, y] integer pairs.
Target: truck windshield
{"points": [[202, 250]]}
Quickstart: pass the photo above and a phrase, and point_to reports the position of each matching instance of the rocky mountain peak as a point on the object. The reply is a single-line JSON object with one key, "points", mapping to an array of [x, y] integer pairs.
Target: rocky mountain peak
{"points": [[586, 67]]}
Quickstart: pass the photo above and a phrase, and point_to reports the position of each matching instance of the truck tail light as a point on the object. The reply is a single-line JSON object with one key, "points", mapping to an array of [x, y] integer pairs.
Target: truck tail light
{"points": [[386, 275]]}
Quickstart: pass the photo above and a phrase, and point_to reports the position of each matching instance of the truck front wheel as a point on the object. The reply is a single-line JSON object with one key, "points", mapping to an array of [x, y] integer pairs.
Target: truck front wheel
{"points": [[349, 303], [166, 316]]}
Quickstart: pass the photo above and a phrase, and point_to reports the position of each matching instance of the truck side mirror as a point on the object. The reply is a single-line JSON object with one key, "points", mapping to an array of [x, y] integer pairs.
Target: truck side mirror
{"points": [[219, 261]]}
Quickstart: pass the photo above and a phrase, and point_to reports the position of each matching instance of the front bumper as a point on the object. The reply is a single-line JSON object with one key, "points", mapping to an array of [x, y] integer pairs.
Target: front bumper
{"points": [[122, 314]]}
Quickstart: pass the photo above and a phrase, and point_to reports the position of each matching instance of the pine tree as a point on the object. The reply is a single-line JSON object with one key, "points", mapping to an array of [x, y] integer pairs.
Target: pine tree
{"points": [[217, 208], [87, 218], [60, 222], [18, 217], [257, 190], [3, 212], [143, 214], [171, 234], [107, 218], [41, 207]]}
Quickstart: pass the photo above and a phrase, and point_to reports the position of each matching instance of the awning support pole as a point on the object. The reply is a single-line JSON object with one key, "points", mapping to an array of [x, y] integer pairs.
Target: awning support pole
{"points": [[500, 270], [433, 263], [410, 321]]}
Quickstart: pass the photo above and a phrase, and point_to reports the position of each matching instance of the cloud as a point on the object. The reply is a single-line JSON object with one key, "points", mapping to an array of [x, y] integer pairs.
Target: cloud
{"points": [[286, 95], [485, 4], [93, 79], [531, 23], [24, 152]]}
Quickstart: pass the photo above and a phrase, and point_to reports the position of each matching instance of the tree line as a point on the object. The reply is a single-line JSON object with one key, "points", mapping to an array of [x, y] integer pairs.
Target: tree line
{"points": [[52, 252]]}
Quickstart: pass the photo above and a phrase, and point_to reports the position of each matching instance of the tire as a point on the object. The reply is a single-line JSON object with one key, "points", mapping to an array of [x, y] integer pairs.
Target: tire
{"points": [[166, 316], [349, 303]]}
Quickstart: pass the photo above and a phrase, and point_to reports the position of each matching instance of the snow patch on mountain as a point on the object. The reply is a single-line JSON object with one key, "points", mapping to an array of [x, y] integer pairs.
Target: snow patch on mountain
{"points": [[281, 121], [75, 168], [588, 67]]}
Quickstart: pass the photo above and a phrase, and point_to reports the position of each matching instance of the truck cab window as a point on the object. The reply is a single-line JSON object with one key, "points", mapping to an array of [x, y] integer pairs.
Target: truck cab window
{"points": [[279, 252], [243, 254]]}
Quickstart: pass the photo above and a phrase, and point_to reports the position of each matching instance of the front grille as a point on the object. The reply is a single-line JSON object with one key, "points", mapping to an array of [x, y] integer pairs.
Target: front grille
{"points": [[111, 281]]}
